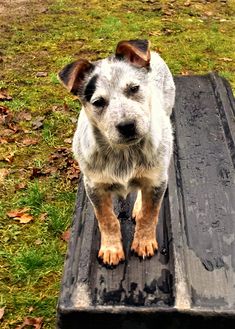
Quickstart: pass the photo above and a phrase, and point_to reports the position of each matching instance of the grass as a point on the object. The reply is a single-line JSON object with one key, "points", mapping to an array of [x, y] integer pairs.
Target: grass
{"points": [[193, 39]]}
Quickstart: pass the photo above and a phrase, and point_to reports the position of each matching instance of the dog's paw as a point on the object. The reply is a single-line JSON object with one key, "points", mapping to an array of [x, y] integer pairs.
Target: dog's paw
{"points": [[144, 248], [111, 255]]}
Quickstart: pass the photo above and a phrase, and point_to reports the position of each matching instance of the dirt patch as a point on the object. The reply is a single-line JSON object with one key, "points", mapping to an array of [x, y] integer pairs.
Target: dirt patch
{"points": [[20, 8]]}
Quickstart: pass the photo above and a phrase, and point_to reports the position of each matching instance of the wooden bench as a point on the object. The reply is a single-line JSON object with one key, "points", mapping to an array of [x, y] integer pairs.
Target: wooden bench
{"points": [[190, 282]]}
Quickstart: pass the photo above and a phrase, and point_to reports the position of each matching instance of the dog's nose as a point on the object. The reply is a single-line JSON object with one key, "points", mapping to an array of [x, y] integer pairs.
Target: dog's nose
{"points": [[127, 129]]}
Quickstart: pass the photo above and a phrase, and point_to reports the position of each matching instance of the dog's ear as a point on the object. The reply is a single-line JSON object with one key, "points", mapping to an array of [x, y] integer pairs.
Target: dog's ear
{"points": [[136, 52], [72, 75]]}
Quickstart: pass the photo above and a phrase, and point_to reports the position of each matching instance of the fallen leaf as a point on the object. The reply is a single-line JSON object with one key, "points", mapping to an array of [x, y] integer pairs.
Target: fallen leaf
{"points": [[155, 33], [184, 72], [9, 158], [38, 242], [29, 141], [6, 132], [3, 110], [187, 3], [3, 174], [41, 74], [25, 116], [20, 186], [43, 216], [73, 120], [3, 140], [208, 13], [17, 212], [225, 59], [36, 172], [4, 96], [66, 235], [50, 170], [38, 122], [68, 140], [21, 215], [31, 309], [2, 311], [28, 321], [24, 219]]}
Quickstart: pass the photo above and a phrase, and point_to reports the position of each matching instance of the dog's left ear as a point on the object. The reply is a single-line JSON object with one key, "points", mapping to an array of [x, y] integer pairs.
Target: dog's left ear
{"points": [[73, 75], [137, 52]]}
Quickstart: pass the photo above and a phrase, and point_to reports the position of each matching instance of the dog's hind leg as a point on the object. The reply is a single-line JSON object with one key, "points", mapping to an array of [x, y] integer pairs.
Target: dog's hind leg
{"points": [[111, 250], [145, 243]]}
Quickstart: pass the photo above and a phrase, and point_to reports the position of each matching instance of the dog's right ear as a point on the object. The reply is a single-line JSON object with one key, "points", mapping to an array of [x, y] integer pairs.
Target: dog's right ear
{"points": [[73, 75]]}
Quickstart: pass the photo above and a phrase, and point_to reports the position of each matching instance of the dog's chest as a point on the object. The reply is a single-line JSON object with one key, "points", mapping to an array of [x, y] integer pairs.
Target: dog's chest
{"points": [[124, 168]]}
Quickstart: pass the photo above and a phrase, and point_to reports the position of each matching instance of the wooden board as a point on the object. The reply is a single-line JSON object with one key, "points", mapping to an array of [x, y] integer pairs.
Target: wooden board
{"points": [[191, 281]]}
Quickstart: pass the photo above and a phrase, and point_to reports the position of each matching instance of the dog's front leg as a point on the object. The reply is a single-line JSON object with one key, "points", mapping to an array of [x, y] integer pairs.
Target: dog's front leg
{"points": [[111, 250], [146, 212]]}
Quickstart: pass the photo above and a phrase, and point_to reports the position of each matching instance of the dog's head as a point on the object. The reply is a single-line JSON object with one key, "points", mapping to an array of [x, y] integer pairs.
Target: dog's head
{"points": [[115, 91]]}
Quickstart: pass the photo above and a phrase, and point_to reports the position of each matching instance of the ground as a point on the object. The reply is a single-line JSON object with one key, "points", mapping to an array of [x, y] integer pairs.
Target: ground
{"points": [[38, 176]]}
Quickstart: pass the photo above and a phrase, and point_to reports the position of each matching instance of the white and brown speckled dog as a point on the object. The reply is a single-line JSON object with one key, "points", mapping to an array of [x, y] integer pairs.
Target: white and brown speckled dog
{"points": [[123, 139]]}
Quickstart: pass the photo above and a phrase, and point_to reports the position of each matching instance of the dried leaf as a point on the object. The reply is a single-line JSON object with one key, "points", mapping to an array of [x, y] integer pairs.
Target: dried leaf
{"points": [[25, 116], [208, 13], [36, 172], [28, 321], [9, 158], [68, 140], [4, 96], [41, 74], [20, 186], [17, 212], [24, 219], [31, 309], [43, 216], [21, 215], [187, 3], [4, 110], [155, 33], [3, 174], [38, 242], [184, 72], [73, 120], [6, 132], [66, 235], [29, 141], [225, 59], [3, 140], [2, 311], [38, 122]]}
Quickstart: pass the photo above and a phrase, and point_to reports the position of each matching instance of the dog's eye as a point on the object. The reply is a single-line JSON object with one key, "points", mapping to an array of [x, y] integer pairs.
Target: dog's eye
{"points": [[100, 102], [134, 89]]}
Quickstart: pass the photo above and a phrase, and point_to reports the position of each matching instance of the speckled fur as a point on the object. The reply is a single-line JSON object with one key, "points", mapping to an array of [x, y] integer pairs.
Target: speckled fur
{"points": [[108, 163]]}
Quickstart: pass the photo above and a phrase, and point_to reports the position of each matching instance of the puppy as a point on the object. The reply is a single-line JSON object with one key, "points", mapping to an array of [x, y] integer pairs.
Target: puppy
{"points": [[123, 140]]}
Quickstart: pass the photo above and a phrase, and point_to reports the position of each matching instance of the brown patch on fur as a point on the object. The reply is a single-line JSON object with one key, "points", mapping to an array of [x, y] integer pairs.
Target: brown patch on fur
{"points": [[111, 250], [133, 53]]}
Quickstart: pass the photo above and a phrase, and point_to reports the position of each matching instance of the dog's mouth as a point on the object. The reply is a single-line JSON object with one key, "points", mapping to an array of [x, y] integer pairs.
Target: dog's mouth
{"points": [[129, 141]]}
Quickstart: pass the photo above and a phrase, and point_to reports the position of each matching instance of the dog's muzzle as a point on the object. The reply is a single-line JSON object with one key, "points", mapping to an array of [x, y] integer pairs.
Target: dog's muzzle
{"points": [[127, 129], [128, 133]]}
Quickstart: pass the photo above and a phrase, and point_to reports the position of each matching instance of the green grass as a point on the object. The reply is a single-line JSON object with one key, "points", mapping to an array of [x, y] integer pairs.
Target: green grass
{"points": [[196, 39]]}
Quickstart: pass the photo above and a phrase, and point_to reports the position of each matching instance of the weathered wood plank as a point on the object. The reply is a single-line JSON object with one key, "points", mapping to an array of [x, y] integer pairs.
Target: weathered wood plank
{"points": [[207, 187], [193, 273]]}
